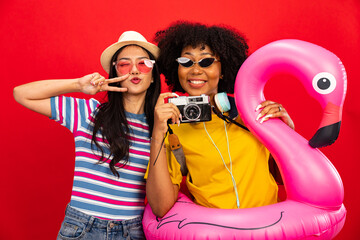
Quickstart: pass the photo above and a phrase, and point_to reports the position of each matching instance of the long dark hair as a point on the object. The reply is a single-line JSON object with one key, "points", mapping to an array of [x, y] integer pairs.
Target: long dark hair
{"points": [[112, 122], [225, 42]]}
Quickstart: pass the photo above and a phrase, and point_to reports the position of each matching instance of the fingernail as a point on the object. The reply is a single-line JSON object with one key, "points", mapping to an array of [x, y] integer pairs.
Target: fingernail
{"points": [[180, 117], [265, 118], [258, 116], [258, 107]]}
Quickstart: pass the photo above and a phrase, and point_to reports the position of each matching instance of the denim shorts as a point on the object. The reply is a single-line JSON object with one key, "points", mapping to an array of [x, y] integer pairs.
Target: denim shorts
{"points": [[78, 225]]}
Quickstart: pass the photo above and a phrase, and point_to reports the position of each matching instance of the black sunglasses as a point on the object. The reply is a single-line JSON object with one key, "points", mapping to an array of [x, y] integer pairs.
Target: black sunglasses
{"points": [[204, 63]]}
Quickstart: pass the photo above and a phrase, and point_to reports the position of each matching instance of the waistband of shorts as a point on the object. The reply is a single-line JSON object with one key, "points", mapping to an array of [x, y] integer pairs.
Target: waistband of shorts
{"points": [[100, 223]]}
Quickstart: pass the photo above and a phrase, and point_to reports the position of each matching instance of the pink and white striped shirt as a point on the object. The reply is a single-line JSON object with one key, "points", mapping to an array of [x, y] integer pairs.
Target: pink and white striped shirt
{"points": [[96, 191]]}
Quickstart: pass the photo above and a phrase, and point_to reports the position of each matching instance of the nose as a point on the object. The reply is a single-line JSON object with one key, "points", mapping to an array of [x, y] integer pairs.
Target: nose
{"points": [[196, 69], [134, 70]]}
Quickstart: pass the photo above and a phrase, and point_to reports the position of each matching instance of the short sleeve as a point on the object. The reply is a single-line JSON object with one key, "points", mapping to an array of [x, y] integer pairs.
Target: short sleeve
{"points": [[173, 166], [72, 112]]}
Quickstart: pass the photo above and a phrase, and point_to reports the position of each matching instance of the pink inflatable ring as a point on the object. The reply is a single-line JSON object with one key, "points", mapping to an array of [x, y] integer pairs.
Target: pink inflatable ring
{"points": [[314, 206]]}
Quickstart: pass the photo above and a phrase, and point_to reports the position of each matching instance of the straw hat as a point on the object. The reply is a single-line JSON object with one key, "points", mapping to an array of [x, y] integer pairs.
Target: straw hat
{"points": [[127, 38]]}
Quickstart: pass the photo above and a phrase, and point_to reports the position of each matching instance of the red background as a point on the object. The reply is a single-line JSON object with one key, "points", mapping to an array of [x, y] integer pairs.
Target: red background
{"points": [[64, 39]]}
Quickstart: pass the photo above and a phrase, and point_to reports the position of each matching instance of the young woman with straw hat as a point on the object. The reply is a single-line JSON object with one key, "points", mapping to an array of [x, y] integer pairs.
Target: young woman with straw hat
{"points": [[112, 139]]}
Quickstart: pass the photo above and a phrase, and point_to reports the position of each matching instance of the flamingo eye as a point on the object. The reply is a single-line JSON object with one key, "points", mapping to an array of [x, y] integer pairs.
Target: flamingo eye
{"points": [[324, 83]]}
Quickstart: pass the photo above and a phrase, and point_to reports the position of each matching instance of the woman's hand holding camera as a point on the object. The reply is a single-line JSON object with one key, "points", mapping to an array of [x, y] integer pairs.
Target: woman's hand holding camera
{"points": [[164, 112]]}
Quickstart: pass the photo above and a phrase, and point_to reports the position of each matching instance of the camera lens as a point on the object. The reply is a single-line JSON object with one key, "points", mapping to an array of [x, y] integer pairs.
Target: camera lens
{"points": [[192, 111]]}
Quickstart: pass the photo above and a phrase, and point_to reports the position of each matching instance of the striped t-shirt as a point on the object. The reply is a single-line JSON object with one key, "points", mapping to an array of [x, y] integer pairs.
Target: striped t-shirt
{"points": [[96, 191]]}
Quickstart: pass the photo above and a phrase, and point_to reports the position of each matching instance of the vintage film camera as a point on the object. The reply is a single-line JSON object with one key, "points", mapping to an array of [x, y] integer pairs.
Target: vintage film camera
{"points": [[193, 108]]}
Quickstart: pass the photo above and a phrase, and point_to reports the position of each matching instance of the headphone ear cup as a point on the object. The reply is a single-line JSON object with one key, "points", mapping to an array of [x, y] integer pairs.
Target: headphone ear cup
{"points": [[222, 102]]}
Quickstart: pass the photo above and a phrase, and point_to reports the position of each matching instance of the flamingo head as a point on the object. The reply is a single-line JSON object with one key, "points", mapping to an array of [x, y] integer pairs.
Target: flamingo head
{"points": [[324, 77], [327, 84], [319, 70]]}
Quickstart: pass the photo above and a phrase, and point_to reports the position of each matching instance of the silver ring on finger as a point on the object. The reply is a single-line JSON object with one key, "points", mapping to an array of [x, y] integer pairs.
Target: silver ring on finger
{"points": [[280, 108]]}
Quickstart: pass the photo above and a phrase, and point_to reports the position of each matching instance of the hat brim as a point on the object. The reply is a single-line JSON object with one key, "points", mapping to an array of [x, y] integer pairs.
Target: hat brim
{"points": [[109, 52]]}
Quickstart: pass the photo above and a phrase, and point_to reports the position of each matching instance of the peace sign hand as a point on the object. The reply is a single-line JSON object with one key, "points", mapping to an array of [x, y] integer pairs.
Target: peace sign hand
{"points": [[94, 83]]}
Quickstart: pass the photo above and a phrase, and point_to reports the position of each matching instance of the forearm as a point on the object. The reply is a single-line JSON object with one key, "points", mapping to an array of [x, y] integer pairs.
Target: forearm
{"points": [[36, 95], [160, 191], [45, 89]]}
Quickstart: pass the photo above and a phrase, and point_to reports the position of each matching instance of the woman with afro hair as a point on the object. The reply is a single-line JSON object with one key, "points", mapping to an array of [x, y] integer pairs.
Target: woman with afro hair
{"points": [[226, 166]]}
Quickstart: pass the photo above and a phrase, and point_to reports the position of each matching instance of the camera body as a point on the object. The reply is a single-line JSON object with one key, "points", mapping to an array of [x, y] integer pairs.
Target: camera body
{"points": [[193, 108]]}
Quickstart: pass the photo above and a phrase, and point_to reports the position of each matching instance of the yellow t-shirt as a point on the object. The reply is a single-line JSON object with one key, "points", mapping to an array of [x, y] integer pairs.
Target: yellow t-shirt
{"points": [[208, 180]]}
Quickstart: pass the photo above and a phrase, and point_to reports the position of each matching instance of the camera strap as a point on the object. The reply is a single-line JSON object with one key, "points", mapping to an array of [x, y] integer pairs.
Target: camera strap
{"points": [[178, 152]]}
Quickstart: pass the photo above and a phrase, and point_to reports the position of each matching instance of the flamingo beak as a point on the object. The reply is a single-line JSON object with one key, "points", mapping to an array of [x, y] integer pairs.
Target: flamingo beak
{"points": [[329, 128], [325, 136]]}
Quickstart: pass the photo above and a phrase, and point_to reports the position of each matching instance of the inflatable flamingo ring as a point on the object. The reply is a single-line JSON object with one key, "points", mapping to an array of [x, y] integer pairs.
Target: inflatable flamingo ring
{"points": [[314, 206]]}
